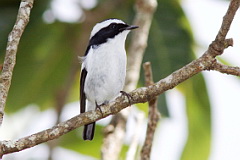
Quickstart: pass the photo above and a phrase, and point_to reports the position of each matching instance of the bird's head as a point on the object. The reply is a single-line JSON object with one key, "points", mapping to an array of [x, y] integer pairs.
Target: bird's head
{"points": [[109, 29]]}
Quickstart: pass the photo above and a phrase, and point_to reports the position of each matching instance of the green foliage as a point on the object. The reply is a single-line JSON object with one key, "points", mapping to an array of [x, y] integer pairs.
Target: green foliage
{"points": [[6, 24], [170, 43], [44, 58], [73, 141], [170, 48], [42, 65], [199, 120], [123, 154]]}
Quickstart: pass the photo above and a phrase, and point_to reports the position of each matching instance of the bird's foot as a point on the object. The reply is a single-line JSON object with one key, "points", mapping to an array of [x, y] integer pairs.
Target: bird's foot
{"points": [[99, 107], [128, 96]]}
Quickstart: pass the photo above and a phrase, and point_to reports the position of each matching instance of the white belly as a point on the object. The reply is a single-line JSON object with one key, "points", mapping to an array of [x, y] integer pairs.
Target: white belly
{"points": [[106, 69]]}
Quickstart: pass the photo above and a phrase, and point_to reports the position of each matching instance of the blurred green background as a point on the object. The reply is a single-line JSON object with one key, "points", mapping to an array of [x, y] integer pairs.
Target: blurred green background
{"points": [[47, 70]]}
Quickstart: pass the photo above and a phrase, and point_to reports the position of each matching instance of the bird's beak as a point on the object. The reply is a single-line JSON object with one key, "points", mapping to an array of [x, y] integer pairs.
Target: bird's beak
{"points": [[129, 27]]}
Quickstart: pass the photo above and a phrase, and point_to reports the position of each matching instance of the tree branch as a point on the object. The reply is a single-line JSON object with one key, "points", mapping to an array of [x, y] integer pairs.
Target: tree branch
{"points": [[153, 115], [115, 131], [144, 13], [140, 95], [11, 52], [227, 20], [225, 69], [220, 42]]}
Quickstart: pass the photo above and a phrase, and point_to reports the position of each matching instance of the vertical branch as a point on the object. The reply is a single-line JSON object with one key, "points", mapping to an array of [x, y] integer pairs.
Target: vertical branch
{"points": [[133, 147], [11, 52], [143, 19], [220, 43], [153, 115], [144, 14], [226, 23]]}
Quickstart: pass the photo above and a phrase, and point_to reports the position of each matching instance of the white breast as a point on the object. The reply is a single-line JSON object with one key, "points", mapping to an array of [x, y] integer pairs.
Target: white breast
{"points": [[106, 67]]}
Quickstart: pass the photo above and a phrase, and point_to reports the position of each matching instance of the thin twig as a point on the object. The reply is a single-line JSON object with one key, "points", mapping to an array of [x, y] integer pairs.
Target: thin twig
{"points": [[11, 52], [144, 14], [220, 42], [225, 69], [153, 115], [227, 20]]}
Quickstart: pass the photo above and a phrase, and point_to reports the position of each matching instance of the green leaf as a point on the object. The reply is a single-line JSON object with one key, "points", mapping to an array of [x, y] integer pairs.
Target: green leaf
{"points": [[44, 58], [199, 119], [43, 62], [73, 141], [169, 45]]}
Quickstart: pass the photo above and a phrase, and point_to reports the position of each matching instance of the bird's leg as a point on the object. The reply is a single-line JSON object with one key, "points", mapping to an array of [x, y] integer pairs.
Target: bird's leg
{"points": [[99, 107], [128, 96]]}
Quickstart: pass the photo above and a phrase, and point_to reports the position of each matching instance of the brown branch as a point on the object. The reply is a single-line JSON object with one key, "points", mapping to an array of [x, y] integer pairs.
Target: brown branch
{"points": [[11, 52], [153, 115], [148, 74], [225, 69], [113, 133], [144, 13], [227, 20], [219, 44], [139, 95]]}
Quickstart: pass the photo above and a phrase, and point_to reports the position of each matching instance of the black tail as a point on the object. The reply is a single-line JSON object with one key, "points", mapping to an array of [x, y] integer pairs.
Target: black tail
{"points": [[88, 131]]}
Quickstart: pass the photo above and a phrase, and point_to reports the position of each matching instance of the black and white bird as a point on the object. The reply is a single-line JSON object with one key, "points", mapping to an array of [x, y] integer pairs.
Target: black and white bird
{"points": [[103, 69]]}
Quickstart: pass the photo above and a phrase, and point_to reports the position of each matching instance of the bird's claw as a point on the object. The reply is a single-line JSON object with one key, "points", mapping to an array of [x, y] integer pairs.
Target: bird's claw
{"points": [[99, 107], [128, 96]]}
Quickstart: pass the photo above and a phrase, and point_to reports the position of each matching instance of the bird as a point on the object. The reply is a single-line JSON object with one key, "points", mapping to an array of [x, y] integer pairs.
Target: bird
{"points": [[103, 68]]}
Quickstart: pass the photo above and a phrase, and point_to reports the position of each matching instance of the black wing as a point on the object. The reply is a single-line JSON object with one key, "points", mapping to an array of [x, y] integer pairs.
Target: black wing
{"points": [[82, 94]]}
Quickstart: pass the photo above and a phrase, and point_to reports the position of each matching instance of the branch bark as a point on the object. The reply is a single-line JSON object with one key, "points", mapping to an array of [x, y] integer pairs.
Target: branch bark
{"points": [[153, 115], [139, 95], [11, 52], [225, 69]]}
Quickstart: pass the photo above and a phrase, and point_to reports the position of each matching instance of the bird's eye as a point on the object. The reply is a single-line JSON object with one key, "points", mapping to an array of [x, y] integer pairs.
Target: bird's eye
{"points": [[113, 26]]}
